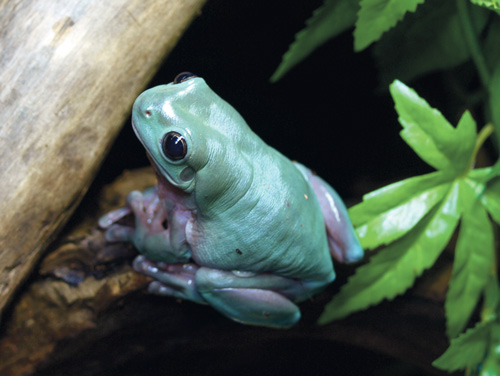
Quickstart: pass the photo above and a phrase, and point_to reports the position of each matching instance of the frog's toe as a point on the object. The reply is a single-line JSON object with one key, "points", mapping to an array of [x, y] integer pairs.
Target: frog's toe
{"points": [[161, 289], [158, 288], [112, 217], [168, 274], [135, 200], [119, 233], [170, 279]]}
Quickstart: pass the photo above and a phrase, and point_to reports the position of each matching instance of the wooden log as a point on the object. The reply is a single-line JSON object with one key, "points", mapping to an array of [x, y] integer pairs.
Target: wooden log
{"points": [[106, 323], [69, 72]]}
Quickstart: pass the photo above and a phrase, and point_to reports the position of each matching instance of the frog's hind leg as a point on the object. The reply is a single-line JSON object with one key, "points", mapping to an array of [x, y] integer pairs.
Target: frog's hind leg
{"points": [[254, 299], [344, 244]]}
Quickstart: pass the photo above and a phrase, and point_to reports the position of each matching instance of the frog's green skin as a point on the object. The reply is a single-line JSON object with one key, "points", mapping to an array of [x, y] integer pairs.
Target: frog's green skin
{"points": [[249, 232]]}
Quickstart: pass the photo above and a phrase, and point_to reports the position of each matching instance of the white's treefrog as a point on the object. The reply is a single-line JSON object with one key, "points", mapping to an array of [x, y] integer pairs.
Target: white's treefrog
{"points": [[232, 222]]}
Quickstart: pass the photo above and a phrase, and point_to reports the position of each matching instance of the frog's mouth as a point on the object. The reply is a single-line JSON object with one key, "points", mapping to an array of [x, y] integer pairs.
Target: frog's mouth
{"points": [[156, 165]]}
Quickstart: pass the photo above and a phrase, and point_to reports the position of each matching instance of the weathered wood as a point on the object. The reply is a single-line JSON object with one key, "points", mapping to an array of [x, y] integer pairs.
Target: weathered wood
{"points": [[69, 72], [106, 322]]}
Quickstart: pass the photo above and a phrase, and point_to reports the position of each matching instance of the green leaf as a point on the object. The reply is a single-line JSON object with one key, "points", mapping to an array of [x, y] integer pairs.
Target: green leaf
{"points": [[489, 4], [482, 176], [430, 135], [490, 366], [491, 297], [474, 256], [467, 350], [392, 271], [328, 21], [429, 40], [491, 199], [378, 16], [394, 223], [390, 196], [486, 185]]}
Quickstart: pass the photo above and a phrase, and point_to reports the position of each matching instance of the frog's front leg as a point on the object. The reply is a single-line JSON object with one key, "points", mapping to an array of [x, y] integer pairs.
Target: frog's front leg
{"points": [[158, 234]]}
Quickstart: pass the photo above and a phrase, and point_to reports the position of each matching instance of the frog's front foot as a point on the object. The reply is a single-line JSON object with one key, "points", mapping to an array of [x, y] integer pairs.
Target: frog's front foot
{"points": [[157, 234], [148, 212], [177, 280]]}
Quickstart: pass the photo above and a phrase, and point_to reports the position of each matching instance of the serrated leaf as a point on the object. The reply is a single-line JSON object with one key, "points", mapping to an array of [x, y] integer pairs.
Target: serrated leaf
{"points": [[378, 16], [490, 366], [430, 135], [486, 185], [467, 350], [426, 41], [392, 271], [388, 197], [328, 21], [396, 222], [474, 255], [489, 4], [461, 150]]}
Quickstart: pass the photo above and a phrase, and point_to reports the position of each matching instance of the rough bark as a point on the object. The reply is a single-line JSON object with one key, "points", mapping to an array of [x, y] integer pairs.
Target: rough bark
{"points": [[70, 70]]}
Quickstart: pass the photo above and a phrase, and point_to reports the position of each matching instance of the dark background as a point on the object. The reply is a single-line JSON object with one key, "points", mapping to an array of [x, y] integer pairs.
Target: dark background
{"points": [[328, 112]]}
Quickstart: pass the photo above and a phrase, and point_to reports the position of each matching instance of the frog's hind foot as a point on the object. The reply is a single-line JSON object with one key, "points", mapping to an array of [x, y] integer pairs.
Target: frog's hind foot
{"points": [[175, 279], [249, 298]]}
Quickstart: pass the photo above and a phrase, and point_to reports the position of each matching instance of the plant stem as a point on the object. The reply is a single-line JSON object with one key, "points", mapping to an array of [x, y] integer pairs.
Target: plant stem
{"points": [[485, 132], [472, 43]]}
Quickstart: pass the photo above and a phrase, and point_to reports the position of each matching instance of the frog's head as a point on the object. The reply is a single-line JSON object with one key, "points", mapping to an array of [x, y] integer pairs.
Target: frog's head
{"points": [[186, 127]]}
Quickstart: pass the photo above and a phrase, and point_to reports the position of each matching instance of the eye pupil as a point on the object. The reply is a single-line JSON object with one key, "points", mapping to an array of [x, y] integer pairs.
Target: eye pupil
{"points": [[174, 146]]}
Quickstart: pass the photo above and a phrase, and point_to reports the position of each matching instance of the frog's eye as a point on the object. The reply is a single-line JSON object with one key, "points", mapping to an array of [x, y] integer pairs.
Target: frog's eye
{"points": [[174, 146], [184, 76]]}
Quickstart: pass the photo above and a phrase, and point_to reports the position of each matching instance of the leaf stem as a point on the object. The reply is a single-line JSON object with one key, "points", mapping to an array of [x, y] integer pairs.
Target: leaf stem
{"points": [[483, 135], [472, 43]]}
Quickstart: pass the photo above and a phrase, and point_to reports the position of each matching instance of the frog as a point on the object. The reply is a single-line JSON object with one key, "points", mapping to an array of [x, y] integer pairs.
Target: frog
{"points": [[232, 222]]}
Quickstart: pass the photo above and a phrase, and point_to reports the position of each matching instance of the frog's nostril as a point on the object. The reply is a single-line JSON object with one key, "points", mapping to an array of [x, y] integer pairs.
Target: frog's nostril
{"points": [[147, 113]]}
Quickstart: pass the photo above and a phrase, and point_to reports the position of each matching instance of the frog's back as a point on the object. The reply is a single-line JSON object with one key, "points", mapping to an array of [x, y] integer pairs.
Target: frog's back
{"points": [[276, 226]]}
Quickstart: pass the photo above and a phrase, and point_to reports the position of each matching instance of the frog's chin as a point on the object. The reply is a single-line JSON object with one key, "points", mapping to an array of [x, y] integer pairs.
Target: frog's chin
{"points": [[187, 186]]}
